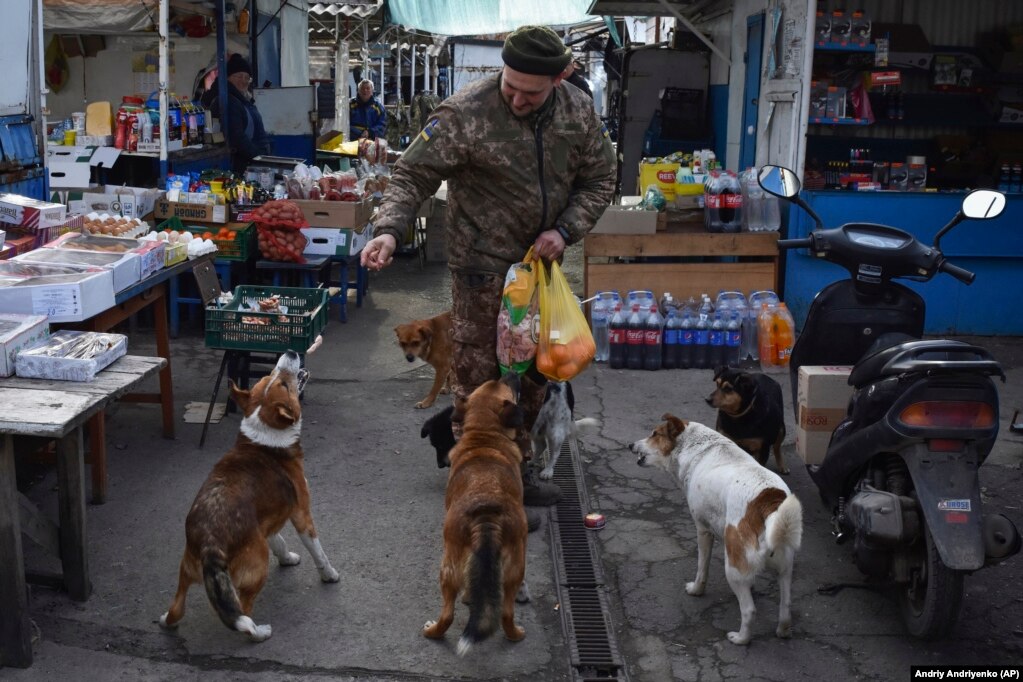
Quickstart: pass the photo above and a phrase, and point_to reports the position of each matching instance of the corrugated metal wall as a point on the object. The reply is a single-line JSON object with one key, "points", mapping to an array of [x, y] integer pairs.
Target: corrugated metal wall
{"points": [[944, 22]]}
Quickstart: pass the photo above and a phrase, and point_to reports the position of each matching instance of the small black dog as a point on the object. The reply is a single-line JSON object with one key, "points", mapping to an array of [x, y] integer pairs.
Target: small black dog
{"points": [[442, 438], [750, 412]]}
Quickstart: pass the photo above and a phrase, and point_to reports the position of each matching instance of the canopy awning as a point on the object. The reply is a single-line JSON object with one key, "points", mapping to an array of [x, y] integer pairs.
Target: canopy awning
{"points": [[485, 17]]}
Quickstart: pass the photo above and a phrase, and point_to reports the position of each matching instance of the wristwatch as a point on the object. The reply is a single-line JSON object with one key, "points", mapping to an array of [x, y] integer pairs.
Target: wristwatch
{"points": [[564, 233]]}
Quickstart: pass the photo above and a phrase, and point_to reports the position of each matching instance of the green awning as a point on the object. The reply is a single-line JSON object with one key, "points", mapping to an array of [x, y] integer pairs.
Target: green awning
{"points": [[484, 17]]}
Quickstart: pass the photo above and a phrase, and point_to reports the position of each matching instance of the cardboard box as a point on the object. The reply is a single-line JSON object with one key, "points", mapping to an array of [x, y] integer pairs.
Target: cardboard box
{"points": [[626, 220], [68, 166], [17, 332], [351, 214], [822, 396], [61, 298], [333, 241], [25, 212], [660, 174], [190, 212], [126, 268], [130, 202], [19, 244]]}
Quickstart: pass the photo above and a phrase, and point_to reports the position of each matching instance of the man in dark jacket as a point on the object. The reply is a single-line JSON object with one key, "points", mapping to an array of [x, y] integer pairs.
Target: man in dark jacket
{"points": [[246, 135], [528, 164], [367, 117]]}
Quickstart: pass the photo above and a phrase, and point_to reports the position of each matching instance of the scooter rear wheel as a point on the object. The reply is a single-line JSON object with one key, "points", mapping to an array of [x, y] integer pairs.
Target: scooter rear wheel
{"points": [[930, 602]]}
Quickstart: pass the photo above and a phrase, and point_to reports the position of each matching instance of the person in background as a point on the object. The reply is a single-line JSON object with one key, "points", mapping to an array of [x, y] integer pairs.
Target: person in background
{"points": [[367, 117], [246, 136], [576, 78], [528, 164]]}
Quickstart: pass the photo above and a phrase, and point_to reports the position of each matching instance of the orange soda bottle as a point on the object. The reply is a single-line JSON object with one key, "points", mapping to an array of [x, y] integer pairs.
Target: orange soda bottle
{"points": [[784, 335], [766, 338]]}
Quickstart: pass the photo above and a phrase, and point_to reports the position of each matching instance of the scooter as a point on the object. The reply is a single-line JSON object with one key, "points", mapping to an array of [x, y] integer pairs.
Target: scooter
{"points": [[900, 472]]}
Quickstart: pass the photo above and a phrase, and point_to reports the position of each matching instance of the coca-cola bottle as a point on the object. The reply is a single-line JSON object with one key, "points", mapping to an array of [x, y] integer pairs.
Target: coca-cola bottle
{"points": [[634, 336], [652, 336], [616, 338]]}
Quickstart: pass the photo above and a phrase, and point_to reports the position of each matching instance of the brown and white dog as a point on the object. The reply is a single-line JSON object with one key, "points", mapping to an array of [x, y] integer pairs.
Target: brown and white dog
{"points": [[251, 493], [732, 498], [485, 522], [430, 341]]}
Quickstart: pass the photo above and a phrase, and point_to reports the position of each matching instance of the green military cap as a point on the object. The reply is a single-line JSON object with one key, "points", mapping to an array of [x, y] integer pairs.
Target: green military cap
{"points": [[536, 50]]}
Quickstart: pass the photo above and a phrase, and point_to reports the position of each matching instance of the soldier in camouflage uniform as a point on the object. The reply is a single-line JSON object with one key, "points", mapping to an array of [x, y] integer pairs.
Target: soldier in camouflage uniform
{"points": [[528, 163]]}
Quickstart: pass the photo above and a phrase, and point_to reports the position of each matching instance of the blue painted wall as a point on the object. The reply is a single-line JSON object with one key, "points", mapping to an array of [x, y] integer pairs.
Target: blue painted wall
{"points": [[993, 249], [718, 95]]}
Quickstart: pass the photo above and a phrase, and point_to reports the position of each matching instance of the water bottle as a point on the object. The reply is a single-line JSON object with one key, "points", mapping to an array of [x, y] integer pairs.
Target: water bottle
{"points": [[701, 342], [686, 339], [751, 333], [634, 337], [668, 303], [733, 341], [670, 357], [752, 202], [716, 351], [616, 338], [598, 318], [692, 306], [771, 210], [743, 312], [652, 339]]}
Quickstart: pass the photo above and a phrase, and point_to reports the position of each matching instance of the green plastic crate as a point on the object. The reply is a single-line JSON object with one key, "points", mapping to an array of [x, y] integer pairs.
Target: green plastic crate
{"points": [[229, 328], [241, 248]]}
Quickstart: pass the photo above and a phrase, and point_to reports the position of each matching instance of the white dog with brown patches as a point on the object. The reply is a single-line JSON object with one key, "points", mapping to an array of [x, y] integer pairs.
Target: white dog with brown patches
{"points": [[733, 498]]}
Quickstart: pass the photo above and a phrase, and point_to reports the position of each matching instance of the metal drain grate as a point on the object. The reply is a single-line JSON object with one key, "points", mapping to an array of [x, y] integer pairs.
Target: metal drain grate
{"points": [[580, 580]]}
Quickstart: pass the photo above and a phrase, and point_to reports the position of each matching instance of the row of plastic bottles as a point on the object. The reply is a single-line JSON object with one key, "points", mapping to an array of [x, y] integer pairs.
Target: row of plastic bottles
{"points": [[737, 203], [641, 333]]}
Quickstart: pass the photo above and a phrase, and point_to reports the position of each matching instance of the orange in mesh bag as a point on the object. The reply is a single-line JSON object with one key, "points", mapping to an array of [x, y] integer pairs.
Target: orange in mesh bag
{"points": [[279, 225], [566, 344]]}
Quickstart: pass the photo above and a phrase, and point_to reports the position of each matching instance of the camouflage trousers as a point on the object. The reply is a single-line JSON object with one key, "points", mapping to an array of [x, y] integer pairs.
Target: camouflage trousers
{"points": [[475, 302]]}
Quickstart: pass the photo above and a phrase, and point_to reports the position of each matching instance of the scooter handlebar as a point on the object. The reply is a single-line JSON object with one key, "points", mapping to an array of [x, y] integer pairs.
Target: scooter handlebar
{"points": [[804, 243], [961, 274]]}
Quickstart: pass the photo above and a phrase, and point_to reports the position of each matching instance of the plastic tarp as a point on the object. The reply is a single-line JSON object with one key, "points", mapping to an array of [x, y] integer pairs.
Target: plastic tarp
{"points": [[485, 17], [99, 16], [294, 23]]}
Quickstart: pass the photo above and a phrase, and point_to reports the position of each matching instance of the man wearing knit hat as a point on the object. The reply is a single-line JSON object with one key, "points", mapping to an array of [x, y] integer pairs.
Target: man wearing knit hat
{"points": [[528, 164], [246, 135]]}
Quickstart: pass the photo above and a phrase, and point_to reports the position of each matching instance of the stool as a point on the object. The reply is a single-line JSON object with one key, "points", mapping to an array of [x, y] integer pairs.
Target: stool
{"points": [[344, 283], [223, 268], [308, 275]]}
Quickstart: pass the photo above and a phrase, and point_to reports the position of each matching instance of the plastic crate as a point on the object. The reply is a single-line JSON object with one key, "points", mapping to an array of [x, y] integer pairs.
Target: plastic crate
{"points": [[241, 248], [295, 330]]}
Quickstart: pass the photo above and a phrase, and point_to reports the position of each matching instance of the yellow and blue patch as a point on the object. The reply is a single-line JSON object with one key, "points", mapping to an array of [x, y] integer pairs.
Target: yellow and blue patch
{"points": [[429, 130], [603, 131]]}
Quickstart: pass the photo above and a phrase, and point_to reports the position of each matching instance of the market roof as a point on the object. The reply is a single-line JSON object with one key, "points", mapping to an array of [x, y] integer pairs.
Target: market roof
{"points": [[351, 8]]}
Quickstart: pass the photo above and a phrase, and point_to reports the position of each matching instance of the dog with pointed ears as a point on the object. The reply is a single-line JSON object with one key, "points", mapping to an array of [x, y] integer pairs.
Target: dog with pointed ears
{"points": [[751, 411], [431, 341], [733, 499], [257, 487], [484, 522]]}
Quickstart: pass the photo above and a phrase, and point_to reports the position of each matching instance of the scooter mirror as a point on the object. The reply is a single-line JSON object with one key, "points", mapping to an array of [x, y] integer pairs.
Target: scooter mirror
{"points": [[983, 204], [781, 182]]}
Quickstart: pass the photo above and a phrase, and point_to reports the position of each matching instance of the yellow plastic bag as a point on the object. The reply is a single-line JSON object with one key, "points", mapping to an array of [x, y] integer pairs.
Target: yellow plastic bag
{"points": [[566, 344], [518, 321]]}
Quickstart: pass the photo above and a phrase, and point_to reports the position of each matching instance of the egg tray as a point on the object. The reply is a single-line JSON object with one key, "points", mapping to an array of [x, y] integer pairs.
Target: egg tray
{"points": [[234, 328]]}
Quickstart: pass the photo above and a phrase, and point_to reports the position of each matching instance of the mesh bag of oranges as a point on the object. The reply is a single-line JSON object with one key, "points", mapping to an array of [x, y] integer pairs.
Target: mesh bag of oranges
{"points": [[518, 318], [566, 344]]}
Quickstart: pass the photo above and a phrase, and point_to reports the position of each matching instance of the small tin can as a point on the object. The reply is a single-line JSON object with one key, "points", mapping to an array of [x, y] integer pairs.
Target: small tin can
{"points": [[594, 521]]}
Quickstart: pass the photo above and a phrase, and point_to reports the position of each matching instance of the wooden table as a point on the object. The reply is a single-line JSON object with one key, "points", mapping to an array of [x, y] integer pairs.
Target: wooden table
{"points": [[56, 410], [152, 291], [685, 260]]}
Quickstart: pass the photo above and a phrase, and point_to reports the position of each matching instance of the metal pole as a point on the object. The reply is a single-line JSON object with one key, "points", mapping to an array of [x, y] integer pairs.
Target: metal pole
{"points": [[412, 85], [398, 72], [164, 78], [426, 71], [222, 99], [43, 90], [381, 80]]}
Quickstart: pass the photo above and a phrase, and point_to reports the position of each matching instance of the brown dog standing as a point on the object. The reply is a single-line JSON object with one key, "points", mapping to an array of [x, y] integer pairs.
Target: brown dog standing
{"points": [[485, 522], [430, 341], [257, 487]]}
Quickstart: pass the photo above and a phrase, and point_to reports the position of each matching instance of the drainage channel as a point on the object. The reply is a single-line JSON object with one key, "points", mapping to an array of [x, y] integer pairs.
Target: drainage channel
{"points": [[585, 612]]}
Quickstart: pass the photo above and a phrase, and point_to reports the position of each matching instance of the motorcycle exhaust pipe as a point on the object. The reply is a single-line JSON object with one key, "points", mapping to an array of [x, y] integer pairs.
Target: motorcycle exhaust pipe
{"points": [[1001, 538]]}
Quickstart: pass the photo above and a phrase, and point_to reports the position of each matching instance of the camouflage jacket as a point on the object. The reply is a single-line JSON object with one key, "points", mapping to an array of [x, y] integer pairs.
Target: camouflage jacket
{"points": [[508, 178]]}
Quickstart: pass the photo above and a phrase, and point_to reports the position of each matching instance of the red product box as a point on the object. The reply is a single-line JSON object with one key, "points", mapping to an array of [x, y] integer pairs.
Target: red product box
{"points": [[26, 212]]}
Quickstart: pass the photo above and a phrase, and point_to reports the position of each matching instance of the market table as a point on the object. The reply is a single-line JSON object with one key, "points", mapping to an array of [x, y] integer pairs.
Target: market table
{"points": [[152, 291], [56, 410]]}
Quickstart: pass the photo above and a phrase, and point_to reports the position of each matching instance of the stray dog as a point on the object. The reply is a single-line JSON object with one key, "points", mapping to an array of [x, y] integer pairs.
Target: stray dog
{"points": [[555, 422], [252, 491], [430, 341], [485, 522], [731, 498], [442, 437], [750, 412]]}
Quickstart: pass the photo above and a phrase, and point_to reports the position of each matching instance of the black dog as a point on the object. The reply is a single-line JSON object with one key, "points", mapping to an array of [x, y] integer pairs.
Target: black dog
{"points": [[750, 412], [442, 438]]}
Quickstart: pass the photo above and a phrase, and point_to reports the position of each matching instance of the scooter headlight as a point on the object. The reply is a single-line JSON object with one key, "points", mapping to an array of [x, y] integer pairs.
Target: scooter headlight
{"points": [[949, 414]]}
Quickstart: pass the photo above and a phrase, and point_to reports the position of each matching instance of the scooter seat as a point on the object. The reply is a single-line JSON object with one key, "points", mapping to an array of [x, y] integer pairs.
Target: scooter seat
{"points": [[933, 356]]}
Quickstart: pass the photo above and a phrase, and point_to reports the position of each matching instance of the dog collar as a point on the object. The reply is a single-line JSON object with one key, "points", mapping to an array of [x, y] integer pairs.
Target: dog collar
{"points": [[748, 407]]}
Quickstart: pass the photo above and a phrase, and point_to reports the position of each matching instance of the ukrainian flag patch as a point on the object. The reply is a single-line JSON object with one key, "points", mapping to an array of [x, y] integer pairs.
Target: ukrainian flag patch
{"points": [[603, 131], [428, 131]]}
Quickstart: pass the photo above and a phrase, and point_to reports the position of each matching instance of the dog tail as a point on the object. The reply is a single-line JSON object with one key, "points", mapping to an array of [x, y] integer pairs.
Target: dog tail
{"points": [[784, 528], [483, 585], [220, 589]]}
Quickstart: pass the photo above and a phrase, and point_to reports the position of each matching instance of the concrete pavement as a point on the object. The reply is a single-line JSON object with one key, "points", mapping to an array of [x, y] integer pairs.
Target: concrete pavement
{"points": [[378, 503]]}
